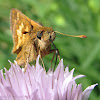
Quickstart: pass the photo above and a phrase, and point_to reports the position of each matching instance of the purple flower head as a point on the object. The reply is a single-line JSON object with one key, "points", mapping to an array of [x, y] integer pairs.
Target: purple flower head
{"points": [[37, 84]]}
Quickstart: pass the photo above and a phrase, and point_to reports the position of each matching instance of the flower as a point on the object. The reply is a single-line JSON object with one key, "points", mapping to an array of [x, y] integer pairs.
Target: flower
{"points": [[36, 84]]}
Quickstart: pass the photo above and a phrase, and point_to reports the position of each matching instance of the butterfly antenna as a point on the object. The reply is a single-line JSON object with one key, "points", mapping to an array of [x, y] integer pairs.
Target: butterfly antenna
{"points": [[80, 36]]}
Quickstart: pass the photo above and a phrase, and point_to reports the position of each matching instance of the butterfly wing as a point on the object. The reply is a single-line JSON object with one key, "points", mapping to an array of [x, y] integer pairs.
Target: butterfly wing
{"points": [[27, 51], [19, 24]]}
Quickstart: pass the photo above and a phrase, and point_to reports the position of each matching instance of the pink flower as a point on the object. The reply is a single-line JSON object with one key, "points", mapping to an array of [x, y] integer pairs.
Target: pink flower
{"points": [[36, 84]]}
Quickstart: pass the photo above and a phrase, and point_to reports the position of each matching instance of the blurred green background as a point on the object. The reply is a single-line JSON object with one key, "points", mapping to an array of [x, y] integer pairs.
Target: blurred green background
{"points": [[69, 17]]}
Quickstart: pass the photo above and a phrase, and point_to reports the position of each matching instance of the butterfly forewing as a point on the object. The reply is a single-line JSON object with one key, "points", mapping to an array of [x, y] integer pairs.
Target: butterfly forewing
{"points": [[20, 24]]}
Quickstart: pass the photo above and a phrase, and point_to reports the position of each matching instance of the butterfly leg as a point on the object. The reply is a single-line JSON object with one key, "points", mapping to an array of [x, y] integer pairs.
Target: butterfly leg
{"points": [[26, 63], [52, 51], [41, 59], [56, 52]]}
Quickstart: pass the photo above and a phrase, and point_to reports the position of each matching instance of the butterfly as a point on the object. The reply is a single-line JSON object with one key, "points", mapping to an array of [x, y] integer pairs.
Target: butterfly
{"points": [[31, 38]]}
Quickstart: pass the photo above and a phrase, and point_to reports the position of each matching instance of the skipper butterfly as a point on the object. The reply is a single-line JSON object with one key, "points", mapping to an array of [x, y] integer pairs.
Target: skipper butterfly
{"points": [[31, 39]]}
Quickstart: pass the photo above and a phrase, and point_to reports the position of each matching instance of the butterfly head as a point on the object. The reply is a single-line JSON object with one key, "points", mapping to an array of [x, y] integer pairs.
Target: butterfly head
{"points": [[45, 36]]}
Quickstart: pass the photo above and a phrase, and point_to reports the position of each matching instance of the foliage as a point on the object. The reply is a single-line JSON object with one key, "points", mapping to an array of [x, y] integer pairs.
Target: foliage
{"points": [[66, 16]]}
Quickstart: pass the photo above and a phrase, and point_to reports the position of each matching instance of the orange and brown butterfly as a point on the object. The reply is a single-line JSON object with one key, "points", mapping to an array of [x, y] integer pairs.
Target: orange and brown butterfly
{"points": [[31, 39]]}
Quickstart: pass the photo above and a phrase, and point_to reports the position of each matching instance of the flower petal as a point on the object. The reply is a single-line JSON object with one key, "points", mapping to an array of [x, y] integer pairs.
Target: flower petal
{"points": [[36, 84], [87, 91]]}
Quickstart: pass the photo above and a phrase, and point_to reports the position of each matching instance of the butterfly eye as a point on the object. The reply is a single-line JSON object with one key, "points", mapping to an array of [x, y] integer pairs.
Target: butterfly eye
{"points": [[39, 34], [50, 36]]}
